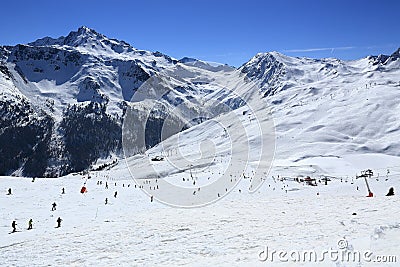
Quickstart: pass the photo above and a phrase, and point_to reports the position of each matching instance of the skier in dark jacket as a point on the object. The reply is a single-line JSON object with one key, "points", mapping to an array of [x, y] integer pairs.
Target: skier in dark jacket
{"points": [[54, 205], [30, 224], [391, 192], [59, 220], [14, 226]]}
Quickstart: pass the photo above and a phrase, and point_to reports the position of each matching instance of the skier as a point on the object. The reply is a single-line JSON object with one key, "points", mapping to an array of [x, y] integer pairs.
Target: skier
{"points": [[106, 202], [54, 205], [83, 190], [391, 192], [9, 191], [106, 185], [30, 224], [151, 198], [59, 220], [63, 191], [14, 226], [115, 194]]}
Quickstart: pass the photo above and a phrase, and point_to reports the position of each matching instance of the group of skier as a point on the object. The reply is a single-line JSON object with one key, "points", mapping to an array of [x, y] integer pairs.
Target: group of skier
{"points": [[116, 192], [30, 224], [59, 220], [54, 206], [30, 221]]}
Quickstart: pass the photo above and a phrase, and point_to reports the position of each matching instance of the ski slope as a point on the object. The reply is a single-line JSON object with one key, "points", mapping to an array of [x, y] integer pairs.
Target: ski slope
{"points": [[132, 231], [300, 117]]}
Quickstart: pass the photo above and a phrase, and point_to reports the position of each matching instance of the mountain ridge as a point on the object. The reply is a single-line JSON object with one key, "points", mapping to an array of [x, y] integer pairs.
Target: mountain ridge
{"points": [[55, 84], [83, 76]]}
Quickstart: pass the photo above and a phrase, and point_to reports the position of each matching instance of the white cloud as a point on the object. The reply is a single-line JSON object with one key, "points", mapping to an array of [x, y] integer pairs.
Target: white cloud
{"points": [[319, 49]]}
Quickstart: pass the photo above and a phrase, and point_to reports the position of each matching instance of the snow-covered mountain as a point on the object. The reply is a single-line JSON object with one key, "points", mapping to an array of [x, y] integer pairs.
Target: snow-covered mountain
{"points": [[330, 117], [68, 104], [330, 108], [63, 101]]}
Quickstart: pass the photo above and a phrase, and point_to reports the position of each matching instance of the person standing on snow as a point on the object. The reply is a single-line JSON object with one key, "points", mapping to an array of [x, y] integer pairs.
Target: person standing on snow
{"points": [[391, 192], [59, 220], [14, 226], [30, 222], [54, 205]]}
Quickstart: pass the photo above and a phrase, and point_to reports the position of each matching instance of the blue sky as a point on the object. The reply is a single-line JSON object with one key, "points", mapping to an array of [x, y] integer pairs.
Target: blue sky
{"points": [[221, 31]]}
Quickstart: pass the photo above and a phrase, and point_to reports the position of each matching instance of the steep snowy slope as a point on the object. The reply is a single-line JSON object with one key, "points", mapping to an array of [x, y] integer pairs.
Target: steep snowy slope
{"points": [[204, 163], [89, 79], [72, 93], [330, 108], [328, 115]]}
